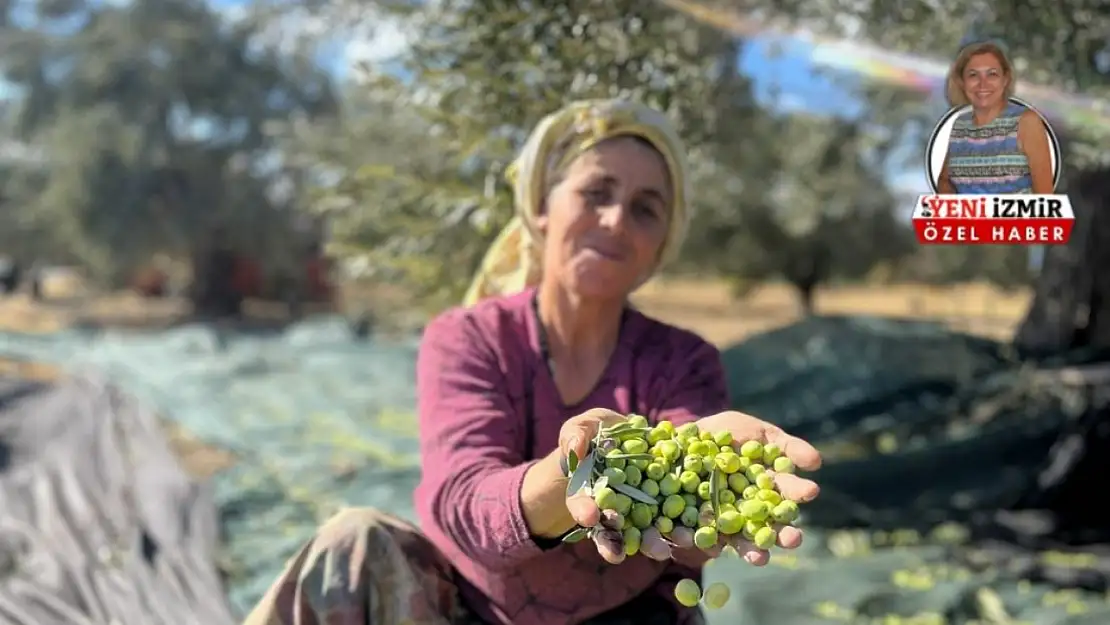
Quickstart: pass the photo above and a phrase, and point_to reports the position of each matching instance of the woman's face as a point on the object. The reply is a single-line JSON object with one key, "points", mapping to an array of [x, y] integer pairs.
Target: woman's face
{"points": [[984, 81], [606, 220]]}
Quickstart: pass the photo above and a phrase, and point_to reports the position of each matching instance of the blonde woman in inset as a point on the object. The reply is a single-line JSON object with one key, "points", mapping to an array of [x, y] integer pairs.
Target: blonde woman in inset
{"points": [[999, 146]]}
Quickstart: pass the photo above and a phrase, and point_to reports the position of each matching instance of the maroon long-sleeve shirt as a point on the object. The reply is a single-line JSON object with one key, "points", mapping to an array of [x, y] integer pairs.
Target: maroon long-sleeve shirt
{"points": [[480, 380]]}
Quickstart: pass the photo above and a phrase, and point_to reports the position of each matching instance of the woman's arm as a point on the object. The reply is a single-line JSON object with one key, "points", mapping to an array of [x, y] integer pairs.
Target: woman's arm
{"points": [[543, 498], [477, 489], [1033, 141], [944, 183]]}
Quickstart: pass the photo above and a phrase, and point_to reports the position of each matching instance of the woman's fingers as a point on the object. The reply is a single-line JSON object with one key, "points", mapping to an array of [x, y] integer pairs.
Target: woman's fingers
{"points": [[796, 488], [610, 545], [682, 537], [577, 433], [802, 454], [713, 551], [612, 519], [748, 551], [746, 427], [679, 545], [789, 537], [583, 510], [653, 545]]}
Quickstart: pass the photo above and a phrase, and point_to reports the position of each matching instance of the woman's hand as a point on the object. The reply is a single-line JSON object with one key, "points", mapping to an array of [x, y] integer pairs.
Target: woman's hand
{"points": [[743, 428], [577, 433]]}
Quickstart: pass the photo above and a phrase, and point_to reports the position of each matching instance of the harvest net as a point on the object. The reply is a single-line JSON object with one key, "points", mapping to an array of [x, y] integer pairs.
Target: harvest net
{"points": [[925, 432]]}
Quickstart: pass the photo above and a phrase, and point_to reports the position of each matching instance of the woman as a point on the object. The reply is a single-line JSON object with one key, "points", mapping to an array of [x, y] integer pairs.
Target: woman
{"points": [[546, 352], [999, 146]]}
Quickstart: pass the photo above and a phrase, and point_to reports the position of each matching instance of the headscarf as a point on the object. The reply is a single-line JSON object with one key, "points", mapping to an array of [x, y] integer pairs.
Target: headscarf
{"points": [[513, 263]]}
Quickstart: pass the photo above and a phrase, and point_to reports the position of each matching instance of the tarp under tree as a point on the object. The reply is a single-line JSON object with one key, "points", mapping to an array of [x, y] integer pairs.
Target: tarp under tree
{"points": [[926, 432]]}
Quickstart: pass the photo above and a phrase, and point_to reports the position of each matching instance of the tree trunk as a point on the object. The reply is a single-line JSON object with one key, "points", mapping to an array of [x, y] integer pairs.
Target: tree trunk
{"points": [[1071, 302], [36, 285], [213, 293], [806, 291]]}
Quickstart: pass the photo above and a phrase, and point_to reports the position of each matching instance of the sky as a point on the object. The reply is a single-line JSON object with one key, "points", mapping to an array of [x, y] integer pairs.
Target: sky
{"points": [[784, 66]]}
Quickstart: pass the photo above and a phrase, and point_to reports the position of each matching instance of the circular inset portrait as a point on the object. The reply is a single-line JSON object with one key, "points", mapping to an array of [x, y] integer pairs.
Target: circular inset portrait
{"points": [[964, 157]]}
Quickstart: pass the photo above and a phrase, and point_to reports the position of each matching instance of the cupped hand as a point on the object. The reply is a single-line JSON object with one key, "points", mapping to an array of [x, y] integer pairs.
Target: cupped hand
{"points": [[577, 433], [679, 545]]}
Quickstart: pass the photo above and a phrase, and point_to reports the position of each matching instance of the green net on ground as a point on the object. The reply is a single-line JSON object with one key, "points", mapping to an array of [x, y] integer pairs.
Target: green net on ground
{"points": [[314, 420], [925, 433], [920, 427]]}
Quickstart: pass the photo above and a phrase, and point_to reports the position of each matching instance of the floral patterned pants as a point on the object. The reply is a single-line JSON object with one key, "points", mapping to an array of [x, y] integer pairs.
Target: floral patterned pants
{"points": [[365, 567]]}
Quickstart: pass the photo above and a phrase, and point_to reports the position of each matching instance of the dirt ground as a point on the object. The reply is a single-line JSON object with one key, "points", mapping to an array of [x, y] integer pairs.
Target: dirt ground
{"points": [[705, 306]]}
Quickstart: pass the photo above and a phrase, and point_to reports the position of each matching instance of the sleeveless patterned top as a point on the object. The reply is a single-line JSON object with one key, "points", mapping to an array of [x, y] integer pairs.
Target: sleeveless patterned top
{"points": [[986, 159]]}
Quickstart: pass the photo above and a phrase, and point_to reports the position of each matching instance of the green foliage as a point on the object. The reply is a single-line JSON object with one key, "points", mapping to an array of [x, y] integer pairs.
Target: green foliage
{"points": [[825, 211], [480, 74], [1052, 43], [1061, 44], [478, 77], [148, 123], [410, 176]]}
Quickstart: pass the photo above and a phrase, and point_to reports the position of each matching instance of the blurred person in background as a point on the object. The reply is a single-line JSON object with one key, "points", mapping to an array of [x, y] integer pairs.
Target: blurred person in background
{"points": [[999, 146], [546, 350]]}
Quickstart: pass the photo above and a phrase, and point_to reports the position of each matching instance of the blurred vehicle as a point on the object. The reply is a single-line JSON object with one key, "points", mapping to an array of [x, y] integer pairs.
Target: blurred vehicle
{"points": [[291, 270]]}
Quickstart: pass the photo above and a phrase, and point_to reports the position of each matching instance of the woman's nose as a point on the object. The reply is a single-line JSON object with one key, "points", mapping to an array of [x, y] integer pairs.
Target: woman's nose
{"points": [[614, 216]]}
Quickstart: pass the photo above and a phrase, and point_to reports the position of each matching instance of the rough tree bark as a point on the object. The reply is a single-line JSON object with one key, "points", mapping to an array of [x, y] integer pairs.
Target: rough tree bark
{"points": [[1071, 302]]}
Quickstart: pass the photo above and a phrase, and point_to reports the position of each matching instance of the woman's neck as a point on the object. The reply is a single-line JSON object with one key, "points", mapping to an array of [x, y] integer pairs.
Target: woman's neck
{"points": [[578, 330], [987, 116]]}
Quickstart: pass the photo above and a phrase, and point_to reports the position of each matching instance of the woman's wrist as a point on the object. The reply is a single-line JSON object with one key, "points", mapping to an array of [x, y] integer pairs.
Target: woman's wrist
{"points": [[543, 498]]}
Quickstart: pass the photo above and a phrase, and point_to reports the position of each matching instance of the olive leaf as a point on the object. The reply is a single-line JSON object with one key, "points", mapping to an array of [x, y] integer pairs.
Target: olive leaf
{"points": [[620, 455], [572, 463], [601, 483], [626, 430], [577, 535], [635, 493], [715, 491], [581, 475], [617, 429]]}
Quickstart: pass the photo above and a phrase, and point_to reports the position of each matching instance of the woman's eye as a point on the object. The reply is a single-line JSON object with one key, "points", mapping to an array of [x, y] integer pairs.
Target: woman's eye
{"points": [[643, 209]]}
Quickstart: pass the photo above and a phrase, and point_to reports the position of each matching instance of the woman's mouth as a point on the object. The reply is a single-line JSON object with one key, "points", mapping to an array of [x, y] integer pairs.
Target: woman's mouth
{"points": [[608, 252]]}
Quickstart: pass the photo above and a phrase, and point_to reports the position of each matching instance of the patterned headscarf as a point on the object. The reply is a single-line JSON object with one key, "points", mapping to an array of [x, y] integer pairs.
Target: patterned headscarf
{"points": [[513, 262]]}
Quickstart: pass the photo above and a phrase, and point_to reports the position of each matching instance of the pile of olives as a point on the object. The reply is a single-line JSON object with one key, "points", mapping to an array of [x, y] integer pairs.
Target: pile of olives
{"points": [[665, 476]]}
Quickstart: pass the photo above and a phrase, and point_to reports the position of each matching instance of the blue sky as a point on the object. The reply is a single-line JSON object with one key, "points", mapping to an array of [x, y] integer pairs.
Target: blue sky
{"points": [[785, 64], [783, 75]]}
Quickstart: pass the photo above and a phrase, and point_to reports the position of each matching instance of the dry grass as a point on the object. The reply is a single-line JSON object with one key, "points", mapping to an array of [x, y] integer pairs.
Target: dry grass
{"points": [[707, 307]]}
